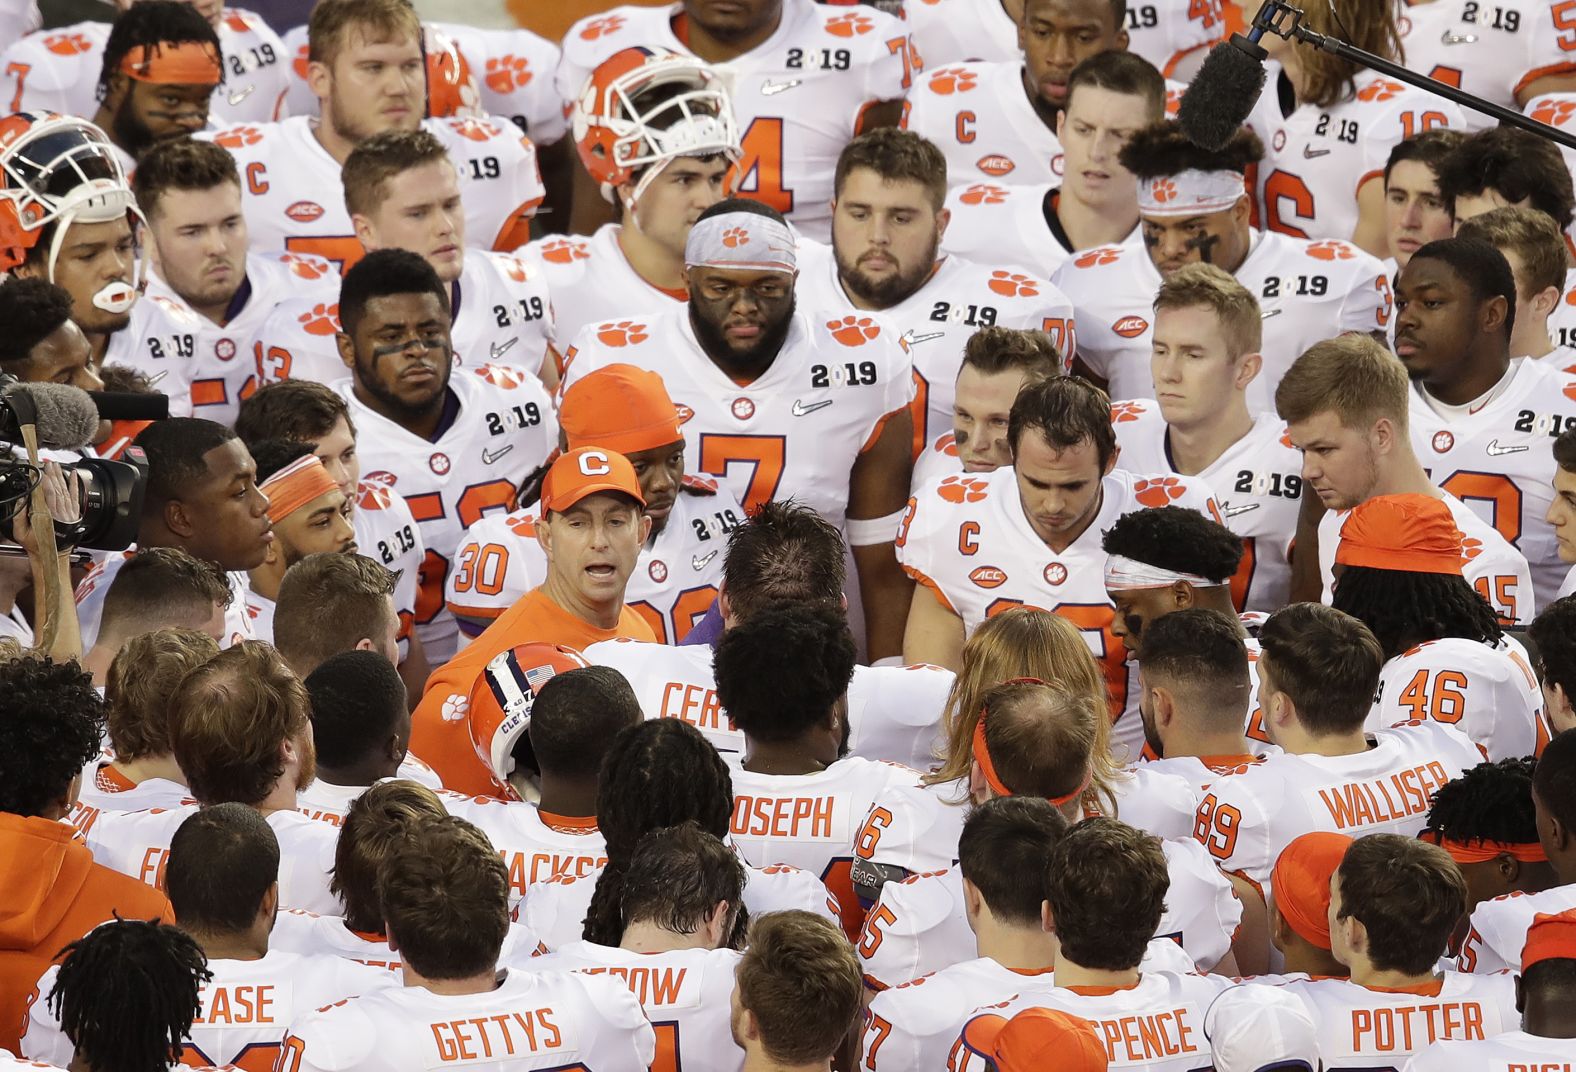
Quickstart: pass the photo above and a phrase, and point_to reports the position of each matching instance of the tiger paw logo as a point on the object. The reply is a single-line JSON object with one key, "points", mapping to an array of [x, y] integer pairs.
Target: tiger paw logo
{"points": [[947, 444], [322, 319], [1470, 548], [72, 44], [505, 74], [373, 496], [474, 129], [1163, 191], [1122, 412], [236, 137], [302, 62], [305, 267], [1554, 112], [622, 333], [1442, 442], [456, 707], [853, 330], [734, 237], [381, 480], [564, 251], [513, 267], [1331, 250], [1382, 90], [962, 489], [503, 376], [850, 25], [951, 80], [524, 525], [236, 21], [983, 193], [1012, 285], [1160, 492], [1096, 257], [598, 28]]}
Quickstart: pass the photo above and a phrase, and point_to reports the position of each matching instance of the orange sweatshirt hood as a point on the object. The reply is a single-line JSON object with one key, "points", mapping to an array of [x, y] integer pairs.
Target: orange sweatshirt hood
{"points": [[41, 872]]}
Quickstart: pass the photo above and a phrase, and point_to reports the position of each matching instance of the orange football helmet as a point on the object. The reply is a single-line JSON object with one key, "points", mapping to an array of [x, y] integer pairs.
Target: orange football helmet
{"points": [[451, 84], [501, 700], [641, 109]]}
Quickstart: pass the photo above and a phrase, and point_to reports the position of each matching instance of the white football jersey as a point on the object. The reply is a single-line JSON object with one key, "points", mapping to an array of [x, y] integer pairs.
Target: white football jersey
{"points": [[1493, 51], [795, 431], [968, 541], [106, 789], [160, 341], [980, 117], [1306, 290], [687, 995], [1360, 1028], [1173, 33], [1513, 1051], [532, 1020], [294, 201], [956, 31], [504, 430], [296, 931], [1499, 460], [246, 1009], [386, 532], [1490, 694], [1247, 819], [1498, 929], [675, 581], [534, 848], [1155, 1025], [936, 320], [91, 589], [938, 459], [798, 97], [1493, 567], [1201, 772], [1014, 225], [1257, 483], [1315, 159], [58, 70], [514, 70], [914, 1024], [590, 279]]}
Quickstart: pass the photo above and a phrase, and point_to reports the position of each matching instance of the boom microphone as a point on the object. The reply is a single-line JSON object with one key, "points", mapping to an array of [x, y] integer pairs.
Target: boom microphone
{"points": [[1223, 93], [65, 417], [130, 405]]}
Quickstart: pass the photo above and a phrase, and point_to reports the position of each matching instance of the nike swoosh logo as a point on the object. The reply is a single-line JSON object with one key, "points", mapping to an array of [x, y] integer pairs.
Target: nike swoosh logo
{"points": [[771, 89], [490, 456], [1310, 153], [1267, 313], [1494, 450], [699, 561], [239, 95], [156, 377], [908, 337], [1233, 511], [801, 410], [498, 351]]}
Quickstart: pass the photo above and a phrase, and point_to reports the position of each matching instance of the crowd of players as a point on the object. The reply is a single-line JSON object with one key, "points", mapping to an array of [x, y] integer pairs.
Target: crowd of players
{"points": [[773, 535]]}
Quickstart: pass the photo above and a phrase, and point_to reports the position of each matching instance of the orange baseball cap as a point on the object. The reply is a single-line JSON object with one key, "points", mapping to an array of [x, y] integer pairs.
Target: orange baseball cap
{"points": [[1037, 1039], [1301, 881], [578, 473], [622, 408], [1550, 938], [1409, 533]]}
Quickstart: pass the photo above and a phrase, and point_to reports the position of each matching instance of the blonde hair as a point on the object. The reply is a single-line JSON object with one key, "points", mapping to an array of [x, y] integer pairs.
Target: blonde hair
{"points": [[379, 21], [141, 681], [1368, 24], [1235, 307], [1351, 376], [1025, 642]]}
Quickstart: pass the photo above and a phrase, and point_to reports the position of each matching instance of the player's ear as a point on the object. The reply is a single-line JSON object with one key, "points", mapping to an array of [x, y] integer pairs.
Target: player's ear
{"points": [[268, 908], [1116, 452], [115, 88], [544, 537], [363, 228], [1047, 921], [973, 901], [1249, 368], [645, 527], [1492, 313], [347, 349], [1521, 995], [1545, 302], [1182, 595], [1382, 435], [1165, 707], [177, 520], [319, 79], [978, 790]]}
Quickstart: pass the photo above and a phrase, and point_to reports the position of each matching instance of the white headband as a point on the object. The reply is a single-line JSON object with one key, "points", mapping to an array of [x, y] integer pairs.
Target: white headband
{"points": [[741, 240], [1190, 193], [1127, 575]]}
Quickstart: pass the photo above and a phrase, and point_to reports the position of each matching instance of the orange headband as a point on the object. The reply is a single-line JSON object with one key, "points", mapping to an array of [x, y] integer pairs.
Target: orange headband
{"points": [[1483, 850], [296, 485], [171, 63], [988, 769]]}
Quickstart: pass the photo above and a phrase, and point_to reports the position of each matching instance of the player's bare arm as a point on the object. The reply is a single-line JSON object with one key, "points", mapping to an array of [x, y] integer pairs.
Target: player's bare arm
{"points": [[877, 491]]}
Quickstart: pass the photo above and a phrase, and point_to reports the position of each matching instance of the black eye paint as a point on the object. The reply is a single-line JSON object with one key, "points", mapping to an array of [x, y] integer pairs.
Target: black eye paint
{"points": [[1205, 244]]}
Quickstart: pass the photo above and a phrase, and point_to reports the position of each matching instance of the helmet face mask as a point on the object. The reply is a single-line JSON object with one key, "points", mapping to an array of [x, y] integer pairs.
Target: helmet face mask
{"points": [[499, 712]]}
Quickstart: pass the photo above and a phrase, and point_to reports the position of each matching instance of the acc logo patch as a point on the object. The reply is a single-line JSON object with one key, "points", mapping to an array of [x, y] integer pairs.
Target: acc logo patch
{"points": [[304, 211], [995, 164], [988, 577], [1130, 327]]}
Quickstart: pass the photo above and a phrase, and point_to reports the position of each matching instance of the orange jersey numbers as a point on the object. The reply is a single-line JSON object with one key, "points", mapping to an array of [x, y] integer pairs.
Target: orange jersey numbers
{"points": [[1442, 699], [759, 172]]}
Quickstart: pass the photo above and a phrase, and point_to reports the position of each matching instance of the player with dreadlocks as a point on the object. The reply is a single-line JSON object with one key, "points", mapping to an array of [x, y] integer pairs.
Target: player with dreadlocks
{"points": [[127, 994], [658, 774], [1446, 657], [162, 63], [1484, 819]]}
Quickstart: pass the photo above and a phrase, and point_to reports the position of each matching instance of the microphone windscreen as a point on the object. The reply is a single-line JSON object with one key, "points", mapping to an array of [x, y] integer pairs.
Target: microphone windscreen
{"points": [[1221, 95], [131, 405], [67, 417]]}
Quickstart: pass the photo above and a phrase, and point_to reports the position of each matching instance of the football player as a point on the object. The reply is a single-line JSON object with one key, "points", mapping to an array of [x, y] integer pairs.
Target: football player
{"points": [[1030, 534], [1415, 210], [455, 443], [1300, 916], [787, 403], [161, 65], [888, 224], [1549, 632], [1533, 245], [1345, 402], [1207, 356], [367, 72], [309, 516], [1110, 97], [804, 79], [1194, 208], [361, 731]]}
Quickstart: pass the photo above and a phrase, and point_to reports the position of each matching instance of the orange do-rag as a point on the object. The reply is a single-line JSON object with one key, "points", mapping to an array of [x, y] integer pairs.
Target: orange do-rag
{"points": [[1550, 938], [620, 408], [1406, 533], [173, 63], [1301, 881]]}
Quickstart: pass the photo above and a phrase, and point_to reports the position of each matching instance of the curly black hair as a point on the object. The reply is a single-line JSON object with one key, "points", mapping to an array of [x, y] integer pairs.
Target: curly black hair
{"points": [[1404, 609], [127, 993], [51, 723], [1178, 539], [780, 671], [31, 309], [1518, 164], [1490, 802], [656, 774], [1162, 149], [1553, 633], [272, 455]]}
